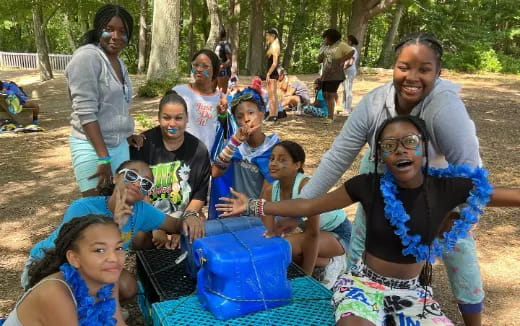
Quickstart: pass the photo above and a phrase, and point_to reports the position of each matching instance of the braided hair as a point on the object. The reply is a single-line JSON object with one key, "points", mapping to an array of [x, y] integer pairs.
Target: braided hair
{"points": [[295, 151], [426, 273], [421, 38], [70, 233], [101, 19]]}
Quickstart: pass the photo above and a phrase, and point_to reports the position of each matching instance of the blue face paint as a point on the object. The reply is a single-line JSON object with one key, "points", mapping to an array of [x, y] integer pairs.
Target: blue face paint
{"points": [[194, 71], [172, 130], [418, 152], [385, 154], [106, 35], [205, 73]]}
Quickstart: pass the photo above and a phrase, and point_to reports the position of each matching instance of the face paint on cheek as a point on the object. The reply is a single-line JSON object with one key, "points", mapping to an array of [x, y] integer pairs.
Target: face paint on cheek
{"points": [[418, 152], [106, 35], [385, 154], [205, 73], [283, 166], [193, 71]]}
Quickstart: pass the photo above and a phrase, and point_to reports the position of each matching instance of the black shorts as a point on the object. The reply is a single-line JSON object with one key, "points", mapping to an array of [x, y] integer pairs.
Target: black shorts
{"points": [[330, 86], [224, 72], [274, 75]]}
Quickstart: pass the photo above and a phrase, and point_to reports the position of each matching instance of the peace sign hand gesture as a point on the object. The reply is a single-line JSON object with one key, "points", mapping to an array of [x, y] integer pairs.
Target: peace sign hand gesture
{"points": [[122, 210]]}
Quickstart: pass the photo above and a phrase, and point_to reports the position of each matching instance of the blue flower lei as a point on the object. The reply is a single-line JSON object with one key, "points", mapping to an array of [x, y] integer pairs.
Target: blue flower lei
{"points": [[397, 216], [90, 312]]}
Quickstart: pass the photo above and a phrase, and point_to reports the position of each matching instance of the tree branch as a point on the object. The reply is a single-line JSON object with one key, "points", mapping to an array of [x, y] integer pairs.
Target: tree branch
{"points": [[378, 6], [44, 25]]}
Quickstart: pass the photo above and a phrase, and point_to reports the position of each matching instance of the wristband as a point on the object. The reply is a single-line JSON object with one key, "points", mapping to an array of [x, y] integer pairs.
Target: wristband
{"points": [[189, 212], [104, 160], [222, 115], [235, 141]]}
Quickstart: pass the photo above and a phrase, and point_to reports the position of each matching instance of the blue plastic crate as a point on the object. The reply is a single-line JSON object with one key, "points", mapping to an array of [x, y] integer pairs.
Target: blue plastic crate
{"points": [[144, 304], [310, 305]]}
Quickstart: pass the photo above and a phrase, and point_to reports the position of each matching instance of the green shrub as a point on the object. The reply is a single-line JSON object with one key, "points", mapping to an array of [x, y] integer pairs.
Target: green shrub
{"points": [[145, 121], [477, 56], [157, 87], [509, 64]]}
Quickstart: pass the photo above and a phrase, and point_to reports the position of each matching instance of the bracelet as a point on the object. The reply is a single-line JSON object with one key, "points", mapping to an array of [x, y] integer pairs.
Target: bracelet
{"points": [[189, 212], [104, 160], [255, 207], [234, 141], [222, 115]]}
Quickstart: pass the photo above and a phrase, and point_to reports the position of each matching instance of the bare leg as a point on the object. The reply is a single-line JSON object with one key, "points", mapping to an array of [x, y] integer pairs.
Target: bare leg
{"points": [[328, 247], [330, 98], [35, 106], [290, 101], [272, 85], [353, 321], [127, 286]]}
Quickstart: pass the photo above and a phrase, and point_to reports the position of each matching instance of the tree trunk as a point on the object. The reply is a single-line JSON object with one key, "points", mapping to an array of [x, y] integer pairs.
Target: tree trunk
{"points": [[214, 30], [362, 11], [333, 13], [191, 22], [70, 36], [41, 45], [295, 30], [385, 58], [141, 65], [283, 8], [165, 39], [234, 34], [83, 20], [256, 33]]}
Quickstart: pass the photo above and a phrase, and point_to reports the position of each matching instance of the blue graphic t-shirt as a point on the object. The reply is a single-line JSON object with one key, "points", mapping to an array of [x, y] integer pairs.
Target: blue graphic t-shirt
{"points": [[145, 218]]}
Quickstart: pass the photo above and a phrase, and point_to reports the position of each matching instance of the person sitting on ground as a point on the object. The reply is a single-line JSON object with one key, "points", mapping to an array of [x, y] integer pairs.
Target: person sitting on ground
{"points": [[408, 225], [319, 107], [132, 182], [324, 242], [179, 162], [75, 282], [295, 94], [18, 100], [245, 159]]}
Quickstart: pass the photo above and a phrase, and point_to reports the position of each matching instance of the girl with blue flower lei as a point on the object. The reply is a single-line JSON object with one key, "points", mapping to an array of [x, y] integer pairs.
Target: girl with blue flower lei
{"points": [[75, 282], [407, 225]]}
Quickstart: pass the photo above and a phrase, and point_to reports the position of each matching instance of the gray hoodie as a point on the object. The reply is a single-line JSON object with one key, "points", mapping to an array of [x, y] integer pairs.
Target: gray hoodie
{"points": [[98, 95], [452, 132]]}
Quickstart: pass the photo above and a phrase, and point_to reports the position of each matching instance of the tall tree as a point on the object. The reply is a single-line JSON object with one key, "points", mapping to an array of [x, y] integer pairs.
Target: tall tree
{"points": [[141, 65], [256, 32], [191, 42], [165, 38], [294, 31], [362, 12], [234, 33], [41, 43], [385, 58], [333, 13], [214, 30]]}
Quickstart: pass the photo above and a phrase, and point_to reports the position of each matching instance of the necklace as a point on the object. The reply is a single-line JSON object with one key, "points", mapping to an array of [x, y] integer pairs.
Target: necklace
{"points": [[397, 216], [90, 312]]}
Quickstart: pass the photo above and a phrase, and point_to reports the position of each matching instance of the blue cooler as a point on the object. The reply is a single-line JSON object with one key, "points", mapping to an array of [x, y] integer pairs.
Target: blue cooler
{"points": [[214, 227], [242, 272]]}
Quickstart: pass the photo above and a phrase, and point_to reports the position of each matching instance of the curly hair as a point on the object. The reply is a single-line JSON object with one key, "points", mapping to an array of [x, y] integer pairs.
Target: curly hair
{"points": [[213, 57], [70, 233]]}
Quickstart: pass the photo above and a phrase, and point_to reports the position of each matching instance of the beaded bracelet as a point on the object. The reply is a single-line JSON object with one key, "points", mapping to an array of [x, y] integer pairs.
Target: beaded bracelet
{"points": [[189, 212]]}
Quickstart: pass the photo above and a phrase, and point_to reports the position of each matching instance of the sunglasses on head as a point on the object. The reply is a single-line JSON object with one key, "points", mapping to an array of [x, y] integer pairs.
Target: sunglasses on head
{"points": [[132, 176], [411, 141]]}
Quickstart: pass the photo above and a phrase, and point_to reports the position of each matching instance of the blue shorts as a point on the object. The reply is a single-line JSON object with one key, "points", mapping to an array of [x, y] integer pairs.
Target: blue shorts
{"points": [[342, 233], [84, 160]]}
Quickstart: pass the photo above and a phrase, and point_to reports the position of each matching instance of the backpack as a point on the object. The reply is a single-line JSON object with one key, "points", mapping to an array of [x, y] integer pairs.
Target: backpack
{"points": [[222, 50]]}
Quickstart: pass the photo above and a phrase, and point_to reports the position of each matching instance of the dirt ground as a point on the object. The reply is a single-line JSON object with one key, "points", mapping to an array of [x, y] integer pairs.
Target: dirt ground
{"points": [[38, 183]]}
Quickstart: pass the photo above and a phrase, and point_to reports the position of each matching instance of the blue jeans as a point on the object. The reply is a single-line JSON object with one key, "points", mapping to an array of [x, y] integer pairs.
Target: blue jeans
{"points": [[342, 233], [461, 263]]}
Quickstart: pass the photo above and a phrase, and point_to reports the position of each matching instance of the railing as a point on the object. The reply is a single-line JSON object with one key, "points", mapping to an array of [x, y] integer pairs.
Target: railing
{"points": [[30, 60]]}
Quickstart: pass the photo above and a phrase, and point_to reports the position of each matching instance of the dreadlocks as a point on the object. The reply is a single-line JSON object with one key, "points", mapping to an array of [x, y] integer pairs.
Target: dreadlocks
{"points": [[103, 16], [67, 238]]}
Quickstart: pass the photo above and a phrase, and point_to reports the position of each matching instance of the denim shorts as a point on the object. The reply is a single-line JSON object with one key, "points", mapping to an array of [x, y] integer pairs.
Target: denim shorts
{"points": [[342, 232]]}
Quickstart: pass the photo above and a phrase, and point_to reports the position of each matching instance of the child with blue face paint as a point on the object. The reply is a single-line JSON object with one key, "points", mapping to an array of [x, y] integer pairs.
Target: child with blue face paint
{"points": [[408, 225], [202, 98], [179, 163], [245, 160]]}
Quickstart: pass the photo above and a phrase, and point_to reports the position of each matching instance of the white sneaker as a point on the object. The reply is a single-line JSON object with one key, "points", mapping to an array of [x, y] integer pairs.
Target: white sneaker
{"points": [[334, 269]]}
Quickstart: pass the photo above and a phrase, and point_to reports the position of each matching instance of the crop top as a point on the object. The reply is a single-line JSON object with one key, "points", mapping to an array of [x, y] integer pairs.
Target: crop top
{"points": [[444, 194]]}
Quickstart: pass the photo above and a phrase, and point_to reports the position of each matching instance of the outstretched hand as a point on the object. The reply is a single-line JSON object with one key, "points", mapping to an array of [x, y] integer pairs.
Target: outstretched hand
{"points": [[136, 141], [232, 206], [122, 210]]}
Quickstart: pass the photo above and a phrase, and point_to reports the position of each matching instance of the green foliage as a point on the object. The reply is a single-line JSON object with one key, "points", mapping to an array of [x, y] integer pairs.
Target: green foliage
{"points": [[475, 57], [158, 87], [144, 121], [509, 64]]}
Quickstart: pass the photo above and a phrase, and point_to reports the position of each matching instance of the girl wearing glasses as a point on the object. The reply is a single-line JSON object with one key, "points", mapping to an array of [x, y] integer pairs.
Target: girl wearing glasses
{"points": [[100, 90], [203, 98], [407, 225], [418, 90], [135, 217]]}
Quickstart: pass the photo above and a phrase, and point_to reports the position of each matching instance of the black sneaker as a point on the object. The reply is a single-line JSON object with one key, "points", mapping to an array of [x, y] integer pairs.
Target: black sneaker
{"points": [[271, 119]]}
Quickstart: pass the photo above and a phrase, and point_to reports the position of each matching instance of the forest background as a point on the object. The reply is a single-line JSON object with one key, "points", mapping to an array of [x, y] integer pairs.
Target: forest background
{"points": [[478, 35]]}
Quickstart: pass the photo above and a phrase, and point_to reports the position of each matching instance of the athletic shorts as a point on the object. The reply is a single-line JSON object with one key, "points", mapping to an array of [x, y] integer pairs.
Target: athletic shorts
{"points": [[330, 86], [379, 299]]}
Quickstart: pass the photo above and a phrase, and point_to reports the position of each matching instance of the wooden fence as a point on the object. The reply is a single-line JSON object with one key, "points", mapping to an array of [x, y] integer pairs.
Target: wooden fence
{"points": [[30, 60]]}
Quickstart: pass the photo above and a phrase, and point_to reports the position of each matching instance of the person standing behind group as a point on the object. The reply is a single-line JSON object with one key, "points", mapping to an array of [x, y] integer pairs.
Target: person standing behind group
{"points": [[223, 50], [333, 54], [202, 98], [273, 57], [100, 90], [178, 160], [350, 69], [416, 89]]}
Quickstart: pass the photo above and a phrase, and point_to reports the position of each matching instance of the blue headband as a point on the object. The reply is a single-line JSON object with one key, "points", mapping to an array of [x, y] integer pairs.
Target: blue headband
{"points": [[248, 94]]}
